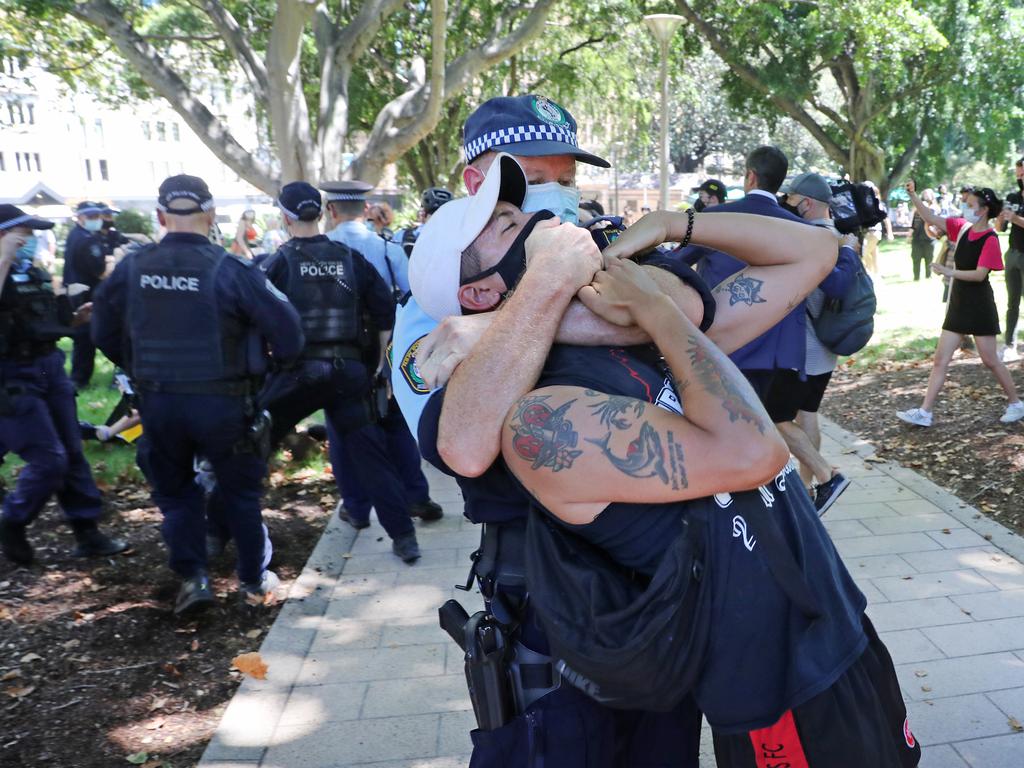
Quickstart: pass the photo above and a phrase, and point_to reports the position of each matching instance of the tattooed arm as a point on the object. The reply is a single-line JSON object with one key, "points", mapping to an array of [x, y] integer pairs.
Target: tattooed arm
{"points": [[577, 450], [787, 261]]}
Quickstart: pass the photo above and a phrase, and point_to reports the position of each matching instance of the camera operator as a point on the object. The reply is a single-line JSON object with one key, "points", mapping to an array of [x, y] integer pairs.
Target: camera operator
{"points": [[1013, 214]]}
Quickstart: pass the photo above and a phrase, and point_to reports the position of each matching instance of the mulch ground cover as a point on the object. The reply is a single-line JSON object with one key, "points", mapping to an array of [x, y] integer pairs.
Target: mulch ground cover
{"points": [[95, 670], [967, 450]]}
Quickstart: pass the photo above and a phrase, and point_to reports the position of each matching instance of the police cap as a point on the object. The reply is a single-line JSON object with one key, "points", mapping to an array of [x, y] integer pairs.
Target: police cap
{"points": [[12, 216], [300, 201], [529, 126], [187, 188], [433, 198], [713, 187], [89, 208], [345, 190]]}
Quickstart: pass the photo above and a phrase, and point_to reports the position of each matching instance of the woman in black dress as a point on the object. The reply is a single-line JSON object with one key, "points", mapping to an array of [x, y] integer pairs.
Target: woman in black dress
{"points": [[972, 307]]}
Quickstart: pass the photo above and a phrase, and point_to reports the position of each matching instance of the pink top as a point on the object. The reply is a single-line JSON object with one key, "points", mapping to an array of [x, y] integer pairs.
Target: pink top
{"points": [[991, 255]]}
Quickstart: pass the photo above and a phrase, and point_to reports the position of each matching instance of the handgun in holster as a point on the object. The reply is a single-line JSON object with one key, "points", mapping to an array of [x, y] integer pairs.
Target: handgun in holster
{"points": [[488, 654], [257, 436]]}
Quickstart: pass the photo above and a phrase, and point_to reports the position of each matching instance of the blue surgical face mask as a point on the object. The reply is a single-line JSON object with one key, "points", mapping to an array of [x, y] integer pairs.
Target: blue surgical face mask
{"points": [[972, 215], [93, 225], [564, 202], [25, 256]]}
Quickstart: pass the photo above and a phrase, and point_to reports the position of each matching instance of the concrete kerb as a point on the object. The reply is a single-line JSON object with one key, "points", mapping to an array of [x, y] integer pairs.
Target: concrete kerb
{"points": [[995, 533], [245, 729]]}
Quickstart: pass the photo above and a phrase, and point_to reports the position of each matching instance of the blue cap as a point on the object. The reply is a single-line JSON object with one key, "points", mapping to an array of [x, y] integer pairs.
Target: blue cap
{"points": [[89, 208], [184, 187], [300, 201], [528, 126]]}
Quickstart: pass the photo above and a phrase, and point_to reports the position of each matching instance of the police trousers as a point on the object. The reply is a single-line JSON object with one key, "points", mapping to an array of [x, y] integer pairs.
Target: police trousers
{"points": [[341, 388], [176, 429], [41, 427]]}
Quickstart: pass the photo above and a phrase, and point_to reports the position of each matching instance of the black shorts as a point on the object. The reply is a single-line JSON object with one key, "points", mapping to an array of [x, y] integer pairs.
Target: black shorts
{"points": [[788, 394], [860, 720]]}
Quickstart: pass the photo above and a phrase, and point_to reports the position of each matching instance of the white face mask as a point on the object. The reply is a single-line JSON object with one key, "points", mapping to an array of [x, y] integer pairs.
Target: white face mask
{"points": [[93, 225], [972, 215], [562, 201]]}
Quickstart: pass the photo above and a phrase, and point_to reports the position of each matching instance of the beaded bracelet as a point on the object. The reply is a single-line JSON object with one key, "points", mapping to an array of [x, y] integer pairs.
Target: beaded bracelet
{"points": [[690, 216]]}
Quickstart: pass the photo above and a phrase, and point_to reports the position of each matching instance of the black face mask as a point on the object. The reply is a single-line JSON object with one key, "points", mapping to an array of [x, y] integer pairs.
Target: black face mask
{"points": [[1020, 184], [784, 204], [699, 205], [513, 263]]}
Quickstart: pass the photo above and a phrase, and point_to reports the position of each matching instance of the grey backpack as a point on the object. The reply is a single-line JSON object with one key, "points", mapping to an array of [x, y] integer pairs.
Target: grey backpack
{"points": [[845, 326]]}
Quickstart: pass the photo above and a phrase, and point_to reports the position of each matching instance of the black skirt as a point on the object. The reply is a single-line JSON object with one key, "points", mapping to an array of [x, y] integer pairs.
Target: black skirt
{"points": [[972, 309]]}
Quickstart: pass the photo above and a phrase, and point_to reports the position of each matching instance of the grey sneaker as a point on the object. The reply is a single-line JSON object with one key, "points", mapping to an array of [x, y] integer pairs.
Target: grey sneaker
{"points": [[262, 593], [916, 416], [406, 547], [195, 595]]}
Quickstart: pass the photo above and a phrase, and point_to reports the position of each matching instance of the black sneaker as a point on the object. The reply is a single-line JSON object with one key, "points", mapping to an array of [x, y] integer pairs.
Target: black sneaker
{"points": [[406, 547], [195, 595], [13, 542], [92, 542], [215, 546], [427, 511], [826, 494], [344, 515]]}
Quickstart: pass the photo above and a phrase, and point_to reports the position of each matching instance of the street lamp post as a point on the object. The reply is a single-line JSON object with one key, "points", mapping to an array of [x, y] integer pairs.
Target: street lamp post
{"points": [[617, 147], [663, 26]]}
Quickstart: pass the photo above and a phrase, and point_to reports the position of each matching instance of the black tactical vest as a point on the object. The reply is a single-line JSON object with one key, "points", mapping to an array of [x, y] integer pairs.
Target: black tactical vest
{"points": [[30, 316], [178, 333], [321, 284]]}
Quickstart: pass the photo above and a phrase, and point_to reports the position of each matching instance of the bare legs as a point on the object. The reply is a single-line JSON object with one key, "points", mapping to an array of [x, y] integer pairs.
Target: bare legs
{"points": [[948, 344]]}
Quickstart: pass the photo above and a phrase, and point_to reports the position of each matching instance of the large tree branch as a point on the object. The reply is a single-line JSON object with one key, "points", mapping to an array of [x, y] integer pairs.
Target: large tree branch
{"points": [[840, 121], [357, 35], [906, 157], [289, 113], [749, 76], [231, 31], [107, 17]]}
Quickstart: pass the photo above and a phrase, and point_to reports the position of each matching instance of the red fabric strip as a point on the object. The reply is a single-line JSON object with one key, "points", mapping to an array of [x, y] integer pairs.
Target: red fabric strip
{"points": [[778, 745]]}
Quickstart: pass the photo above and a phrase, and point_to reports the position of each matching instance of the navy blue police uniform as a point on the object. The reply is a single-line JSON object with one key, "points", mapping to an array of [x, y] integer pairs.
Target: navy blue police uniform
{"points": [[774, 682], [190, 322], [562, 724], [335, 291], [38, 418], [85, 254], [390, 261]]}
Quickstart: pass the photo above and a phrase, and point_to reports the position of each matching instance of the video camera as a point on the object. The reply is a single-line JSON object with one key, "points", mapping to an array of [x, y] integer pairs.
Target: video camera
{"points": [[855, 206]]}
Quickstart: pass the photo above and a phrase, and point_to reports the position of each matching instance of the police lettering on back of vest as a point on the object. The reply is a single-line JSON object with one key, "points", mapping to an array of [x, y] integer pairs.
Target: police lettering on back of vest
{"points": [[320, 282], [169, 282], [317, 269]]}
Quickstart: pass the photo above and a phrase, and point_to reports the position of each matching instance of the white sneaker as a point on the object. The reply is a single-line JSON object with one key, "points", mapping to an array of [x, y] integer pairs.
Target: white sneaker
{"points": [[1010, 355], [1014, 412], [916, 416], [263, 593]]}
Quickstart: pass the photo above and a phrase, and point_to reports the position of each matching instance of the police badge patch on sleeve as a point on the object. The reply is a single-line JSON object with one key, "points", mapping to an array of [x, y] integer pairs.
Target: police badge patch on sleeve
{"points": [[410, 372]]}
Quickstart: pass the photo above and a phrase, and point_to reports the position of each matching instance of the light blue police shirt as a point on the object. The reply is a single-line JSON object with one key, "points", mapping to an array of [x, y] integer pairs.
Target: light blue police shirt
{"points": [[378, 251]]}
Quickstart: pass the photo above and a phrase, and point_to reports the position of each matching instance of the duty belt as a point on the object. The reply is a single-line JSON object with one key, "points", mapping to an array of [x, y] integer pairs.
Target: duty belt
{"points": [[332, 352], [242, 388]]}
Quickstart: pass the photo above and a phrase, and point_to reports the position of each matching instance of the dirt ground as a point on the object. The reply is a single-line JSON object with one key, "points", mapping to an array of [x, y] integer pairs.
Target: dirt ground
{"points": [[967, 450], [94, 669]]}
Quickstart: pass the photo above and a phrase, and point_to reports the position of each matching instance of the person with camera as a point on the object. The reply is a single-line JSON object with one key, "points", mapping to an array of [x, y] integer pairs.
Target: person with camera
{"points": [[432, 199], [190, 323], [1013, 214], [333, 287], [972, 306]]}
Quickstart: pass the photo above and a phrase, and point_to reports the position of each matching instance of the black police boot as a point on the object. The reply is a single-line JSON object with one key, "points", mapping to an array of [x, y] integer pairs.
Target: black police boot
{"points": [[195, 595], [13, 542], [427, 511], [344, 515], [406, 547], [94, 543]]}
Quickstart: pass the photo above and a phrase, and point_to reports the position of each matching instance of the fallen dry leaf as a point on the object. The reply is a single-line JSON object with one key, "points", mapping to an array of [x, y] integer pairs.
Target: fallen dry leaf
{"points": [[13, 674], [29, 657], [158, 703], [250, 664], [18, 692], [253, 633], [1015, 724]]}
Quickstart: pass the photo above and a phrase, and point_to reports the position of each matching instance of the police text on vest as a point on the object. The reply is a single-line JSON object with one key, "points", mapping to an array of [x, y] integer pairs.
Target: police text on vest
{"points": [[169, 282]]}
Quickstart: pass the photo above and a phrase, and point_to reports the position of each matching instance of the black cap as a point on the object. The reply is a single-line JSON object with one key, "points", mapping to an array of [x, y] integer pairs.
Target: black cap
{"points": [[433, 198], [529, 126], [713, 187], [300, 201], [966, 188], [345, 190], [12, 216], [184, 187], [89, 208]]}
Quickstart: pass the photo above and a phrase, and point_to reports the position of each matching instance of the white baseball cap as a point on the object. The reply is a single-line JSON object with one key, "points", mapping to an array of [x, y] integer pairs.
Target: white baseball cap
{"points": [[436, 260]]}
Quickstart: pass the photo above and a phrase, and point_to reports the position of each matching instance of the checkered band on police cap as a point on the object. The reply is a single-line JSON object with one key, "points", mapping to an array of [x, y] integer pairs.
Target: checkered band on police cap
{"points": [[520, 133]]}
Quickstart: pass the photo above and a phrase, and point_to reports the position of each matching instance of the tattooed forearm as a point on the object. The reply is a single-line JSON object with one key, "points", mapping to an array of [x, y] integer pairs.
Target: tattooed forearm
{"points": [[644, 455], [719, 383], [675, 457], [743, 289], [614, 410], [543, 435]]}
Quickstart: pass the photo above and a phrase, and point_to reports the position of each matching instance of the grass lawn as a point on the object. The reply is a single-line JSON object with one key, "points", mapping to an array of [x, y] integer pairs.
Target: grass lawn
{"points": [[910, 314]]}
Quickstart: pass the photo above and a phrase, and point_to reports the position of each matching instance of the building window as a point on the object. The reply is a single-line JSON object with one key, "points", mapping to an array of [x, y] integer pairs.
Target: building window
{"points": [[39, 167], [31, 113], [175, 133], [88, 169], [147, 134], [103, 170], [161, 132]]}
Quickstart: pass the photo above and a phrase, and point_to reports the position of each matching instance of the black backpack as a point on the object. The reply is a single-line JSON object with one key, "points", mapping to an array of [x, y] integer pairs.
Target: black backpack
{"points": [[626, 641], [845, 326]]}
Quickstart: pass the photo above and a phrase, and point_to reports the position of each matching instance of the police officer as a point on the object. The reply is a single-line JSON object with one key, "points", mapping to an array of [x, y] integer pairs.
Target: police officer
{"points": [[85, 264], [432, 199], [37, 402], [346, 207], [189, 320], [333, 288]]}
